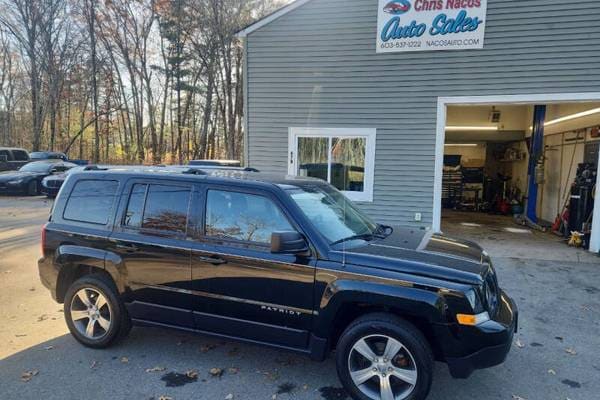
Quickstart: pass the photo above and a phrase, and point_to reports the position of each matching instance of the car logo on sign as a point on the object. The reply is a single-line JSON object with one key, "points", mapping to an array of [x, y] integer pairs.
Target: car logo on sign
{"points": [[397, 7]]}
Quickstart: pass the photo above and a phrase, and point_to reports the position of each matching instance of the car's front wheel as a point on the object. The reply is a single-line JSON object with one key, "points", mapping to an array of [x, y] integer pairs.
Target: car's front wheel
{"points": [[94, 313], [382, 357], [32, 188]]}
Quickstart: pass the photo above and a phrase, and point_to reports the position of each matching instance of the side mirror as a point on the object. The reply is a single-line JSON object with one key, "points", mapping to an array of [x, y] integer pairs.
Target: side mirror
{"points": [[289, 242], [3, 158]]}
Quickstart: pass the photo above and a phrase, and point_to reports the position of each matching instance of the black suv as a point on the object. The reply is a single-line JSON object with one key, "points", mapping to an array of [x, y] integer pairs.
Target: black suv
{"points": [[283, 261]]}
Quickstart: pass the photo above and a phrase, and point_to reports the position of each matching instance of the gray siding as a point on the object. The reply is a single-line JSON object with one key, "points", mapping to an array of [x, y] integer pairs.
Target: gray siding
{"points": [[317, 66]]}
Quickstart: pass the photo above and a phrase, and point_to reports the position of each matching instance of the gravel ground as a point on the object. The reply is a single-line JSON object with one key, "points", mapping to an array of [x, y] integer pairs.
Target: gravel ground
{"points": [[556, 354]]}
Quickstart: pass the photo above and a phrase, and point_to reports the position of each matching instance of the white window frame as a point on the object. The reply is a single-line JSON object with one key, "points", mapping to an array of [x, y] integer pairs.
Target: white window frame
{"points": [[369, 134]]}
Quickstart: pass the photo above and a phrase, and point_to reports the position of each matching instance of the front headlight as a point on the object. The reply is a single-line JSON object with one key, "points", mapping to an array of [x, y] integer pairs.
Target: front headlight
{"points": [[490, 292]]}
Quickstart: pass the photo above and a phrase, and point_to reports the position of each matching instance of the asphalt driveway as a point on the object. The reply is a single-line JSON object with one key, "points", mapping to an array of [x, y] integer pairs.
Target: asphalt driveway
{"points": [[556, 354]]}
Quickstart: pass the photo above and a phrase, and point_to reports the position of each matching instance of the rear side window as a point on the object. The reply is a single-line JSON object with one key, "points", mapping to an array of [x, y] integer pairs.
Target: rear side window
{"points": [[158, 207], [243, 216], [20, 155], [91, 201]]}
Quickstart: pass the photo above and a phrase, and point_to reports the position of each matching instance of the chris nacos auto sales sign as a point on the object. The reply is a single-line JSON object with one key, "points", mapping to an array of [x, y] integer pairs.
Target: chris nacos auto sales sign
{"points": [[417, 25]]}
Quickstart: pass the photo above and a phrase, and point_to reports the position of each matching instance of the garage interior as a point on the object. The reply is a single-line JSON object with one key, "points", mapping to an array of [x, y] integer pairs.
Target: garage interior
{"points": [[497, 158]]}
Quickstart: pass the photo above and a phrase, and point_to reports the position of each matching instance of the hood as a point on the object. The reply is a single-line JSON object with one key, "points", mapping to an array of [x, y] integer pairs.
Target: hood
{"points": [[13, 175], [420, 252]]}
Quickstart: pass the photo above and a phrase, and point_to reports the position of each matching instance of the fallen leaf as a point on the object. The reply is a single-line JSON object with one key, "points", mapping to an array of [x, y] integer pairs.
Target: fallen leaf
{"points": [[48, 347], [519, 344], [570, 351], [233, 370], [27, 375], [304, 387], [32, 289], [192, 373], [155, 369], [216, 372], [42, 317], [124, 360], [94, 364], [273, 397], [552, 372], [229, 396], [515, 397], [165, 398]]}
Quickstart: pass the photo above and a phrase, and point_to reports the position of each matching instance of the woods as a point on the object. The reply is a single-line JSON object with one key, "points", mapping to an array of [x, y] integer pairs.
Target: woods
{"points": [[121, 81]]}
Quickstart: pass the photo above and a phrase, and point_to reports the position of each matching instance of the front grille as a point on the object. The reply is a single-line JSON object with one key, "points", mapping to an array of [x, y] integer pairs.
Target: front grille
{"points": [[53, 184]]}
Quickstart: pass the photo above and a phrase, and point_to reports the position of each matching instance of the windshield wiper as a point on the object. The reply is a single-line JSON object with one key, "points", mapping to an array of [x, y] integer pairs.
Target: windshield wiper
{"points": [[363, 236]]}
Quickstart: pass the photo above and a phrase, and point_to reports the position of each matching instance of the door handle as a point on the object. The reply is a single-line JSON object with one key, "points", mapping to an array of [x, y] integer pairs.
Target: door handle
{"points": [[214, 260], [128, 247]]}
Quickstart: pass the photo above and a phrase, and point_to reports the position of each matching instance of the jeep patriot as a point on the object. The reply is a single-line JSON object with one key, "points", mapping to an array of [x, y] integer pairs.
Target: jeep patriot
{"points": [[283, 261]]}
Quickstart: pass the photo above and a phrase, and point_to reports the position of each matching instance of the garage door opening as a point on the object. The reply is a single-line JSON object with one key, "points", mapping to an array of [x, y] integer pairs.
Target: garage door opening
{"points": [[521, 178]]}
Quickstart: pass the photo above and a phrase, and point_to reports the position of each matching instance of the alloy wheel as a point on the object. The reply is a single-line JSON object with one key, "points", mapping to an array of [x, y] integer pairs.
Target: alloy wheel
{"points": [[382, 368], [91, 313]]}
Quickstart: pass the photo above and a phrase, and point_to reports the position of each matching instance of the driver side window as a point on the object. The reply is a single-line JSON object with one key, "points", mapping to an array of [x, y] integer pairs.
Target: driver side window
{"points": [[242, 216]]}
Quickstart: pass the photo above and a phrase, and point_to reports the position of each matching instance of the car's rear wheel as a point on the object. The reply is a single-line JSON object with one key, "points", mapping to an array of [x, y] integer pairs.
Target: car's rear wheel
{"points": [[32, 188], [94, 313], [382, 357]]}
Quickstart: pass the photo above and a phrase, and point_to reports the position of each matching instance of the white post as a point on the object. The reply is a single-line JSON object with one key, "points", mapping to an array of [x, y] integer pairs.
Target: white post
{"points": [[595, 239], [440, 138]]}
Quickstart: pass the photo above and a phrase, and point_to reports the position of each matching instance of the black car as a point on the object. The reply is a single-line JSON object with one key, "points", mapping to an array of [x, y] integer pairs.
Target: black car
{"points": [[286, 262], [27, 180], [48, 155], [52, 183]]}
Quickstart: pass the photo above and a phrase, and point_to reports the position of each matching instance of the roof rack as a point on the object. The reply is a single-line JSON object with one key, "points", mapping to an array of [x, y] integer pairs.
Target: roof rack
{"points": [[94, 168], [194, 171]]}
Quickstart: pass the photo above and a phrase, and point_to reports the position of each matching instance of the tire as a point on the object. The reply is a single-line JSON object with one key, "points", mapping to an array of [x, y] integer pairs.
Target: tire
{"points": [[80, 315], [32, 188], [409, 371]]}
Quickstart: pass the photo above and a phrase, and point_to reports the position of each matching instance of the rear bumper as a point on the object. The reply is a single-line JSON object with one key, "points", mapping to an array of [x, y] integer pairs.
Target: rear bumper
{"points": [[483, 346], [48, 275]]}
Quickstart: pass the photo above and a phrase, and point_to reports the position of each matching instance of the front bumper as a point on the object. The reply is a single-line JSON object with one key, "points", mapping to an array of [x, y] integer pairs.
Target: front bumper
{"points": [[48, 191], [467, 348], [12, 188]]}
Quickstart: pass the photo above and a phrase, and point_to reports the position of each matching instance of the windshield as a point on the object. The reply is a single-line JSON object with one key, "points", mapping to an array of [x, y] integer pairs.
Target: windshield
{"points": [[35, 167], [37, 155], [332, 213]]}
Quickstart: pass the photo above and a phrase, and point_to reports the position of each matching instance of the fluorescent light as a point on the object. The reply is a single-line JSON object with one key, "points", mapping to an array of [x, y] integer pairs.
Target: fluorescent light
{"points": [[571, 117], [471, 128], [461, 144]]}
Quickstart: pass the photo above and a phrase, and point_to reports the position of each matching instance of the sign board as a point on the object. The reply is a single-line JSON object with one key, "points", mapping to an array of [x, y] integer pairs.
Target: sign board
{"points": [[419, 25]]}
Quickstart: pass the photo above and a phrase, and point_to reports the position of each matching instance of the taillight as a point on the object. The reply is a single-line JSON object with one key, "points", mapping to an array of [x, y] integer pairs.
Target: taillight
{"points": [[44, 238]]}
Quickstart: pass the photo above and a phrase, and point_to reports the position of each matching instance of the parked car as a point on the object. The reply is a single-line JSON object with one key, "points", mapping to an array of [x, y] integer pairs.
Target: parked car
{"points": [[281, 261], [51, 184], [48, 155], [215, 163], [12, 158], [27, 180]]}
